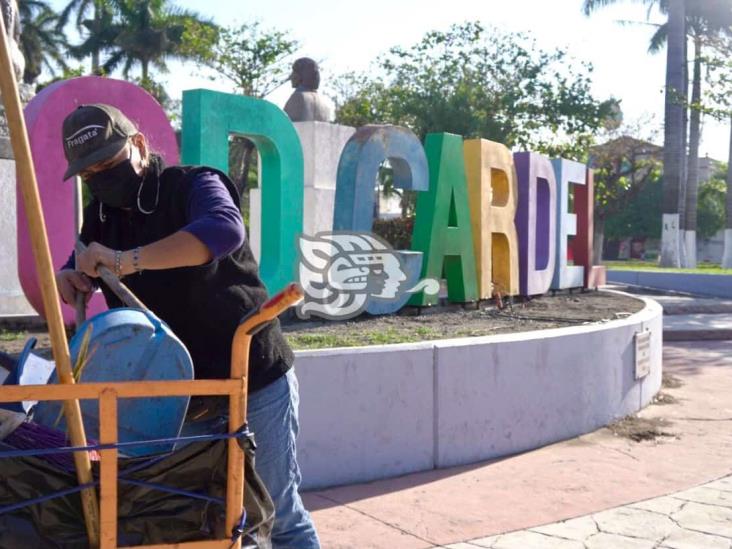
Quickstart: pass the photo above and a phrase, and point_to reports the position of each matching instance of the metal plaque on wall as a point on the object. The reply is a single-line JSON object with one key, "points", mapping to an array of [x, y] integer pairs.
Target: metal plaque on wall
{"points": [[642, 354]]}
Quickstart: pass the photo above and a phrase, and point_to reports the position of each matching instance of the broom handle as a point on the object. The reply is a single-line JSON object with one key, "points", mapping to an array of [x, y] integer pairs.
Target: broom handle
{"points": [[124, 294], [79, 307], [42, 255]]}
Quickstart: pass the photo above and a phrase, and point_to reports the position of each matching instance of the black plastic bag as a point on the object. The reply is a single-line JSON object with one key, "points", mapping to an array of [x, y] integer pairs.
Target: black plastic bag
{"points": [[146, 515]]}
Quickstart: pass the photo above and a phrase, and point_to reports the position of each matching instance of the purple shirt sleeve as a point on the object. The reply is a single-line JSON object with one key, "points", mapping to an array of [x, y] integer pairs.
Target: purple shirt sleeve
{"points": [[213, 217], [70, 262]]}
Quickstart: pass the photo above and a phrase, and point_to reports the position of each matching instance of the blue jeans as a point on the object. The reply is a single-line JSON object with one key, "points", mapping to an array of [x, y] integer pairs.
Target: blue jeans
{"points": [[272, 414]]}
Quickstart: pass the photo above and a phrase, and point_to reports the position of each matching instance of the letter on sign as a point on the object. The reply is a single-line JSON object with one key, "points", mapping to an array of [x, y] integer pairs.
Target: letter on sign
{"points": [[567, 173], [358, 168], [493, 194], [442, 223], [209, 118], [535, 222]]}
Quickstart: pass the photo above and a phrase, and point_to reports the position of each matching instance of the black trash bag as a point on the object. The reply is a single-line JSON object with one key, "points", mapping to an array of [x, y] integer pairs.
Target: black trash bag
{"points": [[146, 515]]}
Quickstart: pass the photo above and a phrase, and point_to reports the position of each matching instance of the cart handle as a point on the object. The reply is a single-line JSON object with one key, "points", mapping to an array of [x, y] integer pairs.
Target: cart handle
{"points": [[258, 318]]}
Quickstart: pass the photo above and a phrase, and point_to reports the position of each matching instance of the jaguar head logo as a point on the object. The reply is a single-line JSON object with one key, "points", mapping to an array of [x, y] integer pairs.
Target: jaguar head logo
{"points": [[340, 272]]}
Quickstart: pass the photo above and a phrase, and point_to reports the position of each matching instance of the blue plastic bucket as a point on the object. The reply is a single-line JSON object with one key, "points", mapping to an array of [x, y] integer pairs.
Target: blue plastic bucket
{"points": [[129, 345]]}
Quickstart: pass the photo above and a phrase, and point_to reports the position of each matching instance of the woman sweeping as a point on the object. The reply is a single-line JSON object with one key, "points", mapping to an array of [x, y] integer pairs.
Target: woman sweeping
{"points": [[176, 236]]}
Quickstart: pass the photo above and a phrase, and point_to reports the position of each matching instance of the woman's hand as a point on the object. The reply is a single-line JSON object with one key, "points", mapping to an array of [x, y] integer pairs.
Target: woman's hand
{"points": [[95, 255], [70, 283]]}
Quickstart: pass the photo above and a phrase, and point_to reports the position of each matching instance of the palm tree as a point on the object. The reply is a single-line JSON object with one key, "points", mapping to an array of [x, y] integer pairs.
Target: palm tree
{"points": [[42, 43], [95, 28], [673, 143], [674, 128], [148, 33], [705, 20]]}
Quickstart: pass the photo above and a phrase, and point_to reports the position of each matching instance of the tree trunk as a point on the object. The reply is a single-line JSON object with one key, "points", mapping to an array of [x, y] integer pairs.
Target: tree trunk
{"points": [[673, 153], [692, 172], [145, 71], [241, 151], [727, 257], [97, 25], [684, 132], [598, 240], [684, 148]]}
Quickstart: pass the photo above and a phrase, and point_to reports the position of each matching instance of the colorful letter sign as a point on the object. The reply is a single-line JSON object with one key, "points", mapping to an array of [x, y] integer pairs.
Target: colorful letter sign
{"points": [[536, 222], [493, 193], [487, 221], [442, 222], [208, 119]]}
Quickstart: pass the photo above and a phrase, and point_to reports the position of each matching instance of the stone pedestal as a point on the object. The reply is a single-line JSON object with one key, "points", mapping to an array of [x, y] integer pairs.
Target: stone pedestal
{"points": [[12, 299], [322, 144]]}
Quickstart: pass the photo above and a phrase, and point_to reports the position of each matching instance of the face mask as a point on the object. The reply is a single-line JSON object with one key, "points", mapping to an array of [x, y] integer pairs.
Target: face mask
{"points": [[116, 187]]}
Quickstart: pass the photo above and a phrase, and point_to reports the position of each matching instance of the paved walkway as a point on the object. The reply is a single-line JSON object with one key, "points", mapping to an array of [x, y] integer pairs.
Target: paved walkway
{"points": [[699, 518], [689, 317], [685, 442]]}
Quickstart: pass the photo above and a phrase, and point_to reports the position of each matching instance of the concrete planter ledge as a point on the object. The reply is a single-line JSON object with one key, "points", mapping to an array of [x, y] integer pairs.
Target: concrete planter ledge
{"points": [[716, 285], [375, 412]]}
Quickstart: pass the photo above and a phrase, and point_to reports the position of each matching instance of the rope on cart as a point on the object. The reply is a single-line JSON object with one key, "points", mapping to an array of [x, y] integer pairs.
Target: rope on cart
{"points": [[240, 433]]}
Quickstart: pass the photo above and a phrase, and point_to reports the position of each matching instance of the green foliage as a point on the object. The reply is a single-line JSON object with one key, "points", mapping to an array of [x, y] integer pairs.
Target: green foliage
{"points": [[477, 82], [637, 265], [711, 204], [67, 73], [397, 232], [255, 62], [145, 33], [253, 59], [172, 107], [42, 42], [641, 217], [623, 167]]}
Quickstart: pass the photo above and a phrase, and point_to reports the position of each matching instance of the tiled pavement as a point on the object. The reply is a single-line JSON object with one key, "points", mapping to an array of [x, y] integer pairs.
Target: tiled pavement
{"points": [[699, 518]]}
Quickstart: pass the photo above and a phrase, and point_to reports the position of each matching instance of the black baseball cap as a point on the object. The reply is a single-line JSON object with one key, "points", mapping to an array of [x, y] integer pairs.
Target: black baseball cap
{"points": [[93, 133]]}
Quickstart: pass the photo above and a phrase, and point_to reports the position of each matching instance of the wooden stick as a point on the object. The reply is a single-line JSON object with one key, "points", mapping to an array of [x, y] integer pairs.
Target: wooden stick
{"points": [[114, 283], [108, 469], [42, 255], [213, 544], [79, 307], [124, 389]]}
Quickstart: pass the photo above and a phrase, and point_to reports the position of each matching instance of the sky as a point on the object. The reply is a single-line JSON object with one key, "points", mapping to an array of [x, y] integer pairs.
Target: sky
{"points": [[349, 36]]}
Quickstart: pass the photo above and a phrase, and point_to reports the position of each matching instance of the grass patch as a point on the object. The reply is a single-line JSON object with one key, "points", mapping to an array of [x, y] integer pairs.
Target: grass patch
{"points": [[356, 338], [637, 265], [12, 335]]}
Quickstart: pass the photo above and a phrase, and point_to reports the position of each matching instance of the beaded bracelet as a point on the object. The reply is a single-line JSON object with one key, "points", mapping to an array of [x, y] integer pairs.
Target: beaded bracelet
{"points": [[136, 259], [118, 263]]}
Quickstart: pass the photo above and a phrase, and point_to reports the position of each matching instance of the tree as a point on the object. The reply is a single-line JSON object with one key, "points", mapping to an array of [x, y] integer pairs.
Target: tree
{"points": [[720, 85], [706, 20], [477, 82], [674, 131], [674, 123], [42, 43], [252, 59], [255, 62], [150, 32], [99, 29], [624, 166], [712, 200]]}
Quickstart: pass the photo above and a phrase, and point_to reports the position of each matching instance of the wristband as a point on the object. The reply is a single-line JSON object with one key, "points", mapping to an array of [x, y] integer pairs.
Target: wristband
{"points": [[136, 259], [118, 263]]}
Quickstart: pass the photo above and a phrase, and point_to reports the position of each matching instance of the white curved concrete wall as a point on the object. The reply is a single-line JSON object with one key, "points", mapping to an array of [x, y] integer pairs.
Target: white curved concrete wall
{"points": [[376, 412]]}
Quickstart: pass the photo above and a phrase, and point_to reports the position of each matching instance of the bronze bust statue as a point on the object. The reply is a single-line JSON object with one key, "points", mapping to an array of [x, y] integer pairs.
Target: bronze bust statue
{"points": [[306, 104]]}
